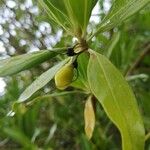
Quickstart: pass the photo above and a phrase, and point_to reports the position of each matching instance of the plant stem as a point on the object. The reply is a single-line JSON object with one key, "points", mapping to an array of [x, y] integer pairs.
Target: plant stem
{"points": [[58, 50], [147, 136], [47, 96], [138, 60]]}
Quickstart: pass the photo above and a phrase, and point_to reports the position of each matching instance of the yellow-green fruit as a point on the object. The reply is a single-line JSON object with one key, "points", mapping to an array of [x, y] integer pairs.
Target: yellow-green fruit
{"points": [[64, 76]]}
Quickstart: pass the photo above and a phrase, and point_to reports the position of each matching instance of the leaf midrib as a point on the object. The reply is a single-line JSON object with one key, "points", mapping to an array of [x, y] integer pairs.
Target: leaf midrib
{"points": [[118, 12], [23, 64], [114, 98]]}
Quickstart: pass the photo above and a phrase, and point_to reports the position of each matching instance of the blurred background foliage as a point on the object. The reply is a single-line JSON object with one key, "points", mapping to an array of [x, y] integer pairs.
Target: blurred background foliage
{"points": [[57, 122]]}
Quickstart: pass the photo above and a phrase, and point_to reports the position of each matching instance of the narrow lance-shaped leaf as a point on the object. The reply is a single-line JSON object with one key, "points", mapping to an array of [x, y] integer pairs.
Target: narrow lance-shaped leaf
{"points": [[57, 12], [120, 10], [72, 15], [117, 99], [16, 64], [113, 42], [41, 81], [79, 12], [17, 135], [89, 117]]}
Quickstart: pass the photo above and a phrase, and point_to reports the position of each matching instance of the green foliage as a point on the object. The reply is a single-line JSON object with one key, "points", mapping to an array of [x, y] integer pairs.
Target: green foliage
{"points": [[18, 136], [120, 10], [40, 81], [66, 13], [117, 99], [16, 64], [37, 122]]}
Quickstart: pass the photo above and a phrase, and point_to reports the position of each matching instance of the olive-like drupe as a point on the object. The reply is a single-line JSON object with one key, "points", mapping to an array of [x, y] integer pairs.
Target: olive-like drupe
{"points": [[64, 76]]}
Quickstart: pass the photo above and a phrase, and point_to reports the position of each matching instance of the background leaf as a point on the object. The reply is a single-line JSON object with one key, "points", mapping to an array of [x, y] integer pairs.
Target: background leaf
{"points": [[120, 10], [117, 99], [41, 81], [17, 135], [112, 44]]}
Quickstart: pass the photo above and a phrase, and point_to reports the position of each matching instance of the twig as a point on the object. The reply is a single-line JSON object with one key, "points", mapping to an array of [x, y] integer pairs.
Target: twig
{"points": [[147, 136], [138, 60]]}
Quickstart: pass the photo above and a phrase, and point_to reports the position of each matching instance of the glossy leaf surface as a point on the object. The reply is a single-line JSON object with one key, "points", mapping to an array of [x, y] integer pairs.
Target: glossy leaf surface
{"points": [[72, 15], [16, 64], [41, 81], [120, 10], [117, 99]]}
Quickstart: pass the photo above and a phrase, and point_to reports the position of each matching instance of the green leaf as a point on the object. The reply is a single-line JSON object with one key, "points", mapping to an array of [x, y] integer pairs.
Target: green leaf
{"points": [[57, 12], [41, 81], [113, 42], [117, 99], [81, 81], [72, 15], [80, 11], [120, 11], [16, 64], [18, 136]]}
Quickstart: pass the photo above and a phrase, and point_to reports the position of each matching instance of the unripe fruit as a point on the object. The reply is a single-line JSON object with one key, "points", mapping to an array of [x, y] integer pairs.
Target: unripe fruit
{"points": [[64, 76]]}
